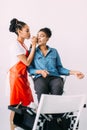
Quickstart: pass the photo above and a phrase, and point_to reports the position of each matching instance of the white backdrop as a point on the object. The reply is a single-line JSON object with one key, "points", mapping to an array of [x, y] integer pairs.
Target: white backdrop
{"points": [[68, 22]]}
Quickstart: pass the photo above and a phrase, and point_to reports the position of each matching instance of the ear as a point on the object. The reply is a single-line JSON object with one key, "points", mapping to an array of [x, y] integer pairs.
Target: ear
{"points": [[19, 31], [47, 38]]}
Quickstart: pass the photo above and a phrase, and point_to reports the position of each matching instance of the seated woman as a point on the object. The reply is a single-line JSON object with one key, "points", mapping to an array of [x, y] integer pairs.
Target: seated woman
{"points": [[47, 68]]}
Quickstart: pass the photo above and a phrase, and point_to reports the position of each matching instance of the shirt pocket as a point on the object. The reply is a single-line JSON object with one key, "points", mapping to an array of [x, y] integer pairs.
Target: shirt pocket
{"points": [[52, 62]]}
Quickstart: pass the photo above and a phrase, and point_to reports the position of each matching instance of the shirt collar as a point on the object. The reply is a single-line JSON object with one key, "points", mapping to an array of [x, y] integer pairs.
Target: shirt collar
{"points": [[49, 49]]}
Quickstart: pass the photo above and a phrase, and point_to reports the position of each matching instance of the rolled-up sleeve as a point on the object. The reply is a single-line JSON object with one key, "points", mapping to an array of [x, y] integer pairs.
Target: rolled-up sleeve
{"points": [[60, 68]]}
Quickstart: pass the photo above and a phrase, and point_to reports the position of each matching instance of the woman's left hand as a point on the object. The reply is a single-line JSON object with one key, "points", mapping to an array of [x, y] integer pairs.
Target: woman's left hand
{"points": [[79, 75]]}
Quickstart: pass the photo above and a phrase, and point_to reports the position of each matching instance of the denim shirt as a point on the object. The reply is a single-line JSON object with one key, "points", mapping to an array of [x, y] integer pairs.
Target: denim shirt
{"points": [[51, 62]]}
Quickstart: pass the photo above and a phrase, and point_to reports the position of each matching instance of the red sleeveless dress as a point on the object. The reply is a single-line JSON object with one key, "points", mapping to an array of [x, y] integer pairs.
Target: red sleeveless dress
{"points": [[19, 85]]}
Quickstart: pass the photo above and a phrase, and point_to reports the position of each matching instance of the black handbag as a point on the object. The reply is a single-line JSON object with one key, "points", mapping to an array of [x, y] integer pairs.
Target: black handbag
{"points": [[24, 116]]}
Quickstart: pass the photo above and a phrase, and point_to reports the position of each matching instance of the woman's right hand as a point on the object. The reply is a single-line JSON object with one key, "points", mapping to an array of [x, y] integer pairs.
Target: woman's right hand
{"points": [[33, 41], [44, 73]]}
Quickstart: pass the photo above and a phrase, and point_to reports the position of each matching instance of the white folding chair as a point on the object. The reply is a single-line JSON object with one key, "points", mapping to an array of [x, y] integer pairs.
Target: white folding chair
{"points": [[54, 104]]}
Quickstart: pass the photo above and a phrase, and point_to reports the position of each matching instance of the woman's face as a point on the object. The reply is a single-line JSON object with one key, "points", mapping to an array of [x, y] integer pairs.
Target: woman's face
{"points": [[42, 38], [25, 32]]}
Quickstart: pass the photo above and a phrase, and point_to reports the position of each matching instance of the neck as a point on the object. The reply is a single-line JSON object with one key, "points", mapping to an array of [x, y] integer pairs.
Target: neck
{"points": [[21, 40], [43, 48]]}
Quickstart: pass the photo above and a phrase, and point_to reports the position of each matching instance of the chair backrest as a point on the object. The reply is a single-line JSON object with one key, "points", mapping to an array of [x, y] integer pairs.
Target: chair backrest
{"points": [[54, 104]]}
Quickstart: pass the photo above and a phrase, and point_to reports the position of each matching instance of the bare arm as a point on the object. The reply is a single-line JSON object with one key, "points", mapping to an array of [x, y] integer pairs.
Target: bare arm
{"points": [[27, 60], [78, 74]]}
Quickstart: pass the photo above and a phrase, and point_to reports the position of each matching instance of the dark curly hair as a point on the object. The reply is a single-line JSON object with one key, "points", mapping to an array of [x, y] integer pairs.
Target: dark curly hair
{"points": [[47, 31], [15, 25]]}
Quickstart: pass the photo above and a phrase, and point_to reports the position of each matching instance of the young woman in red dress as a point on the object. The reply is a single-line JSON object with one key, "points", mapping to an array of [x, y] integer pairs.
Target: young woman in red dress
{"points": [[20, 58]]}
